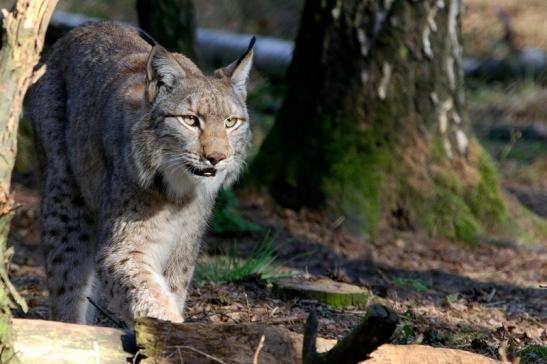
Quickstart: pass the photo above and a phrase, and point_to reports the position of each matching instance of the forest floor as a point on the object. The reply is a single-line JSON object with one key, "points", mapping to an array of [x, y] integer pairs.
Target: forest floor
{"points": [[479, 297], [482, 298]]}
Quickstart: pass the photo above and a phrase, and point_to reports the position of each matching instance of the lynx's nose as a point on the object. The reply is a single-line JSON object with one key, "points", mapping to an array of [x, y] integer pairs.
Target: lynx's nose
{"points": [[215, 157]]}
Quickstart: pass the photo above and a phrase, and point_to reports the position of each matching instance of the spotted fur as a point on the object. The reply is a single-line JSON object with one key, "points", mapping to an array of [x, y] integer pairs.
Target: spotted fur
{"points": [[128, 182]]}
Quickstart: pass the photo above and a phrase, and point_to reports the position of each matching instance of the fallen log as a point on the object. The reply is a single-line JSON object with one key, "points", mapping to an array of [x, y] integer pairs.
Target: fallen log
{"points": [[232, 343], [165, 342], [423, 354], [45, 342], [213, 47], [528, 63], [51, 342]]}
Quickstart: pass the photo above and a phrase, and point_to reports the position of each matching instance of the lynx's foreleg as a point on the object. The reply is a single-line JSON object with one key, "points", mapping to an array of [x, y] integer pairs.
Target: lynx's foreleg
{"points": [[131, 260]]}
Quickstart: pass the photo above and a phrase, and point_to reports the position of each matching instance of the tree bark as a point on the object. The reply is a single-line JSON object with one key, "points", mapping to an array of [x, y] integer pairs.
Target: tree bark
{"points": [[24, 29], [172, 23], [373, 126], [165, 342]]}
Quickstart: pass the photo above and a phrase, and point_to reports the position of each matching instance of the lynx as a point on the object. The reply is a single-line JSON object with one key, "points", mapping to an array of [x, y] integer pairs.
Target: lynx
{"points": [[134, 143]]}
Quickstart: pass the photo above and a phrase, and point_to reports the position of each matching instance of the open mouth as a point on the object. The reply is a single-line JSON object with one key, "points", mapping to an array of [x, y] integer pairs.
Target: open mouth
{"points": [[206, 172]]}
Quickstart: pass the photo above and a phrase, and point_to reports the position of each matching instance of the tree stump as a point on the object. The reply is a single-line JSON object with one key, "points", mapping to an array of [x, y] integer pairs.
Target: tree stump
{"points": [[323, 290]]}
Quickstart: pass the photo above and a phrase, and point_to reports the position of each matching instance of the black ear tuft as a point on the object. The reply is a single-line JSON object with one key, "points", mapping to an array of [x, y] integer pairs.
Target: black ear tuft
{"points": [[249, 49], [252, 43], [238, 71]]}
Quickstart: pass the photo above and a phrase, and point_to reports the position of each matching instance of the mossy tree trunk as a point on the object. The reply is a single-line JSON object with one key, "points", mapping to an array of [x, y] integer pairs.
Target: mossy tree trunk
{"points": [[170, 22], [374, 127], [23, 32]]}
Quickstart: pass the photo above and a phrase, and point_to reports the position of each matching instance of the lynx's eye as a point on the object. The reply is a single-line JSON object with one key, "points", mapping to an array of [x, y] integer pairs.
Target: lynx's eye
{"points": [[232, 122], [189, 120]]}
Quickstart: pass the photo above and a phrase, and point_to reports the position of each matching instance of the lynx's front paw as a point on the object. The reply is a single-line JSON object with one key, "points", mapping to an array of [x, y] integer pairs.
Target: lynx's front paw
{"points": [[160, 314], [163, 308], [166, 315]]}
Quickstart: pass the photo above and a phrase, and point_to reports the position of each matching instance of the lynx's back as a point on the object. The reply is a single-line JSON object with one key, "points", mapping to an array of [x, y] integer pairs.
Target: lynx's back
{"points": [[134, 143]]}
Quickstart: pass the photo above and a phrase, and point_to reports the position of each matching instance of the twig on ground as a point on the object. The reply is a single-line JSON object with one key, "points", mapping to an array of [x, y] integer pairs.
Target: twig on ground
{"points": [[376, 328], [115, 321], [258, 349]]}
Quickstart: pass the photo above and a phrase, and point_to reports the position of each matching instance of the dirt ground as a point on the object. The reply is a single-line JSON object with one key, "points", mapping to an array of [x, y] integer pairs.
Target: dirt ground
{"points": [[448, 294]]}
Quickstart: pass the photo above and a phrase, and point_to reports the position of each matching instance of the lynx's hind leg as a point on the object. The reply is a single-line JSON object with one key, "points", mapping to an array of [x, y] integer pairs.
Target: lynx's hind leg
{"points": [[67, 229], [67, 240]]}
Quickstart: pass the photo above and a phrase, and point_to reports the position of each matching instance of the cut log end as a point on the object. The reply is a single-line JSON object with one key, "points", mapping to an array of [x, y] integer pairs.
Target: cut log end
{"points": [[325, 291]]}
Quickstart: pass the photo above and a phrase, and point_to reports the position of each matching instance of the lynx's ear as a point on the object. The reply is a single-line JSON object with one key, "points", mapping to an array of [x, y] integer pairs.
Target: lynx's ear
{"points": [[162, 71], [238, 71]]}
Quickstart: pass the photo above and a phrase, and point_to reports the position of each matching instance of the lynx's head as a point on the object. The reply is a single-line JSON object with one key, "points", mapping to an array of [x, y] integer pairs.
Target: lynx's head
{"points": [[196, 131]]}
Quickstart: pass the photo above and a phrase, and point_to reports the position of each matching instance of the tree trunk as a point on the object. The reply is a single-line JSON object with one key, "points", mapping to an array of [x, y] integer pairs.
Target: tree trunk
{"points": [[23, 35], [373, 126], [172, 23]]}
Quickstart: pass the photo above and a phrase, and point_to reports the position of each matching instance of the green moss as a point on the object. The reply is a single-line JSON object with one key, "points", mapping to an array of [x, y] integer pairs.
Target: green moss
{"points": [[450, 180], [465, 336], [449, 216], [437, 152], [524, 226], [360, 162], [363, 167], [533, 354], [485, 200], [332, 299], [354, 187], [403, 53], [321, 292], [461, 204]]}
